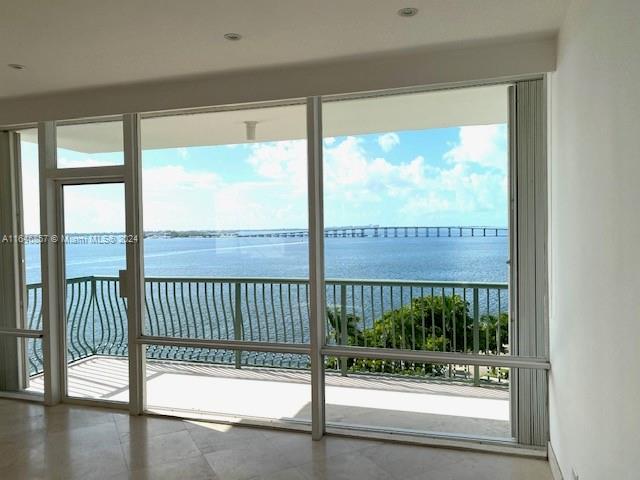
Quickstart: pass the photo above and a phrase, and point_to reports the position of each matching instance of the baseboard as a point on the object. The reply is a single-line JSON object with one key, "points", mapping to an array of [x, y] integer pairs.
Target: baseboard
{"points": [[553, 463]]}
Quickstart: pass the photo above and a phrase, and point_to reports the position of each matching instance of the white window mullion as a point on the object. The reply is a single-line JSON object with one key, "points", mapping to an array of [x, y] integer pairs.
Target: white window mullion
{"points": [[316, 264], [134, 285], [51, 268]]}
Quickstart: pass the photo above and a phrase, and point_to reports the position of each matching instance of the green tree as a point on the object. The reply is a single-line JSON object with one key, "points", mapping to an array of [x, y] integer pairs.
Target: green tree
{"points": [[431, 323]]}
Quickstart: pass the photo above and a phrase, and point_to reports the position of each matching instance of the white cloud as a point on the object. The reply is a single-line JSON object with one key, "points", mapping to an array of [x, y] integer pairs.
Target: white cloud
{"points": [[484, 145], [351, 173], [94, 208], [379, 191], [284, 162], [179, 199], [388, 141]]}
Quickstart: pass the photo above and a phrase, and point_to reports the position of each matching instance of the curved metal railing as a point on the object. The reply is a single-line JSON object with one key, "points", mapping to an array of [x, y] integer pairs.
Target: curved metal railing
{"points": [[444, 316]]}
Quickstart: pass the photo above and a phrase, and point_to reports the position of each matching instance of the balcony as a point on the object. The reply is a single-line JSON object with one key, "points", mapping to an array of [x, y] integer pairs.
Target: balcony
{"points": [[436, 316]]}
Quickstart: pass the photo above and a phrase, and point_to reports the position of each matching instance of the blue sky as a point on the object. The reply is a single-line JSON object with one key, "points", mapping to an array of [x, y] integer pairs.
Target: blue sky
{"points": [[449, 176]]}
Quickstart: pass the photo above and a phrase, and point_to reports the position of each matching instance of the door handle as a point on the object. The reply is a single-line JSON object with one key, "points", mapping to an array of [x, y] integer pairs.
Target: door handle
{"points": [[122, 278]]}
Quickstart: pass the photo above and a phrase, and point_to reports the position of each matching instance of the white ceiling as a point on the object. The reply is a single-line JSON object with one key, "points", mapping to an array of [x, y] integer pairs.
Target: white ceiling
{"points": [[73, 44], [391, 113]]}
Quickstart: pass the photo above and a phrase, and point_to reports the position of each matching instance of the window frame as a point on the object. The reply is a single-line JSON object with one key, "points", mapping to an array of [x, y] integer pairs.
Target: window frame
{"points": [[51, 177]]}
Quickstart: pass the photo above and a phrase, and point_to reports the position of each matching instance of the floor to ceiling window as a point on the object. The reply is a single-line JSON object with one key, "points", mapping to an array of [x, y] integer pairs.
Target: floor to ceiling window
{"points": [[416, 258], [93, 248], [226, 259], [417, 309], [21, 362]]}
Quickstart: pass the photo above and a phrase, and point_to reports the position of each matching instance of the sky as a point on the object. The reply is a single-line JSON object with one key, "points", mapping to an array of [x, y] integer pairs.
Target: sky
{"points": [[437, 177]]}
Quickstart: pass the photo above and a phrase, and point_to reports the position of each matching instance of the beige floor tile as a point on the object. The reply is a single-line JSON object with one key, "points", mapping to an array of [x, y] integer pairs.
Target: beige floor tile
{"points": [[71, 442], [65, 417], [248, 462], [349, 466], [26, 472], [212, 437], [87, 464], [292, 473], [481, 466], [145, 426], [21, 448], [487, 466], [404, 461], [141, 451], [195, 468], [300, 449], [82, 438]]}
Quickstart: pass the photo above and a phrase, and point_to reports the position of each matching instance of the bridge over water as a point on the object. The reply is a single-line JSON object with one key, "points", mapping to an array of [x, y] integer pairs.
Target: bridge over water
{"points": [[378, 231]]}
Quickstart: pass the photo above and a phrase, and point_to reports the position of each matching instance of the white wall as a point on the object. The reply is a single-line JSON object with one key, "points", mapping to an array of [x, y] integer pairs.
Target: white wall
{"points": [[595, 242]]}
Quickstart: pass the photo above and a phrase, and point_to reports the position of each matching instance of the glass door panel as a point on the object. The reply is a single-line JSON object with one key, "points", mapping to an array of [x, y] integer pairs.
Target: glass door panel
{"points": [[96, 317]]}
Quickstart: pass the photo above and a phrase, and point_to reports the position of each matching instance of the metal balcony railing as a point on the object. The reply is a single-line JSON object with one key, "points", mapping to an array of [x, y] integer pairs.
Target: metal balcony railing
{"points": [[400, 314]]}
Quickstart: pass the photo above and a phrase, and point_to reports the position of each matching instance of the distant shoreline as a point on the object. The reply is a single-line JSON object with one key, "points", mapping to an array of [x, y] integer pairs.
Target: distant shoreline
{"points": [[351, 230]]}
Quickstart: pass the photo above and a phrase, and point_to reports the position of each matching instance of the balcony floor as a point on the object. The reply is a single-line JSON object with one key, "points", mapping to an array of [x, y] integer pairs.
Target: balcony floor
{"points": [[269, 393]]}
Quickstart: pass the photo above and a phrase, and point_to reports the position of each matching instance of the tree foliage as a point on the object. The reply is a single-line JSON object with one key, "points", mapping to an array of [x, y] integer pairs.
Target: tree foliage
{"points": [[431, 323]]}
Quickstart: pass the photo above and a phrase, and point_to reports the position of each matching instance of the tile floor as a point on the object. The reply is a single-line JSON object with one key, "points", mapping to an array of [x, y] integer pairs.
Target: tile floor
{"points": [[71, 442]]}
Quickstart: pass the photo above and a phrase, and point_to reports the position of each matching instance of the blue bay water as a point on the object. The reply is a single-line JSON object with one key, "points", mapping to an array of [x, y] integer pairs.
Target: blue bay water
{"points": [[476, 259]]}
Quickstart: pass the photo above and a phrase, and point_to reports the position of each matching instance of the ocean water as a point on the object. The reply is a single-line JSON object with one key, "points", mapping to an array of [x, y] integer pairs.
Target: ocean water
{"points": [[474, 259]]}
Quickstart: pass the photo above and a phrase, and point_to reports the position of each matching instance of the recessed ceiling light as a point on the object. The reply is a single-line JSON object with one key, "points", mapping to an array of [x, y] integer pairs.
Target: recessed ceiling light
{"points": [[234, 37], [408, 12], [16, 66]]}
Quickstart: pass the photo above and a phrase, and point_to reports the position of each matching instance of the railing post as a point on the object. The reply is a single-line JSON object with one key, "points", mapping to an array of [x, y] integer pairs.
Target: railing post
{"points": [[237, 321], [476, 334], [94, 301], [344, 332]]}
